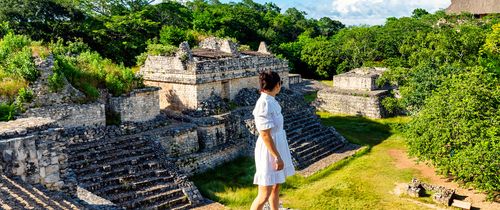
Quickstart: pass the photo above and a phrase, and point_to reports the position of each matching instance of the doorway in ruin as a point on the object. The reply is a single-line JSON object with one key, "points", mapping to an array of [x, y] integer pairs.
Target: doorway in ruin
{"points": [[225, 90]]}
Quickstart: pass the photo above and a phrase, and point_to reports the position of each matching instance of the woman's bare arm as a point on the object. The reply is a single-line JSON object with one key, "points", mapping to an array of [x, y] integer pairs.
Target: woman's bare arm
{"points": [[268, 141]]}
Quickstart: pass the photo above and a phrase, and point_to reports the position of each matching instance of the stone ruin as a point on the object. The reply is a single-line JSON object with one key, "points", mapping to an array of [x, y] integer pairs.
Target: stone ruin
{"points": [[216, 67], [355, 93], [441, 194], [144, 161]]}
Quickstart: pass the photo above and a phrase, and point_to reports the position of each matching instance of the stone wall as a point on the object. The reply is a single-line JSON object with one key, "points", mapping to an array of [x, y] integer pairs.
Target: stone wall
{"points": [[71, 115], [33, 149], [355, 83], [358, 79], [175, 96], [138, 106], [363, 103], [206, 71], [294, 79]]}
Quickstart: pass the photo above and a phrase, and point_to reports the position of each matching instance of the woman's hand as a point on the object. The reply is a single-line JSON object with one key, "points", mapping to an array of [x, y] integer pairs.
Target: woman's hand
{"points": [[278, 164]]}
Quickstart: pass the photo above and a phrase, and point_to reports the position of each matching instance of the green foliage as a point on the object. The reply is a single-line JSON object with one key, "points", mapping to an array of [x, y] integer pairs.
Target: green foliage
{"points": [[7, 111], [491, 50], [171, 35], [56, 82], [156, 49], [458, 129], [16, 57], [25, 95], [87, 71], [419, 12]]}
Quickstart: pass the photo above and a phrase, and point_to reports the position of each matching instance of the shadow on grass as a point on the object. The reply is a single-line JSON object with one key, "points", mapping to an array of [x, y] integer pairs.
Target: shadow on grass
{"points": [[236, 174], [359, 130]]}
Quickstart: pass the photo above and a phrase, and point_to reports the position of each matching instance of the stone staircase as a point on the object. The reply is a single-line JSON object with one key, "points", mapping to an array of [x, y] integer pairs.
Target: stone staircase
{"points": [[127, 172], [17, 194], [309, 141]]}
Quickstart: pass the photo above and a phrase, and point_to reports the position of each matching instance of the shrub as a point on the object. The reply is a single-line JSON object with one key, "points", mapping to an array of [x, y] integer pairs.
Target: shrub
{"points": [[156, 49], [7, 111], [88, 71], [21, 64], [56, 82], [25, 95], [90, 91], [458, 129]]}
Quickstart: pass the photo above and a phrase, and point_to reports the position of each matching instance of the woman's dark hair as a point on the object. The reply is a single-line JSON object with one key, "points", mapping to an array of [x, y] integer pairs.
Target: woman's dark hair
{"points": [[268, 80]]}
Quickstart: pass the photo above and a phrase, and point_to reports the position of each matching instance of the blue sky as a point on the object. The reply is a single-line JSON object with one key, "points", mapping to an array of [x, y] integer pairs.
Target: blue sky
{"points": [[355, 12]]}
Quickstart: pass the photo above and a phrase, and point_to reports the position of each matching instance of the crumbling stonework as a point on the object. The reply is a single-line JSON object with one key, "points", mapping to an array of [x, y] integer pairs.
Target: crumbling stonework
{"points": [[137, 106], [71, 115], [215, 68], [354, 93], [440, 194], [44, 95], [33, 150]]}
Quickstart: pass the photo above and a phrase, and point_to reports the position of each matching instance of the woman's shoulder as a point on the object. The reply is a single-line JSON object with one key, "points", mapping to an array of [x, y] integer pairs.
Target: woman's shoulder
{"points": [[264, 104]]}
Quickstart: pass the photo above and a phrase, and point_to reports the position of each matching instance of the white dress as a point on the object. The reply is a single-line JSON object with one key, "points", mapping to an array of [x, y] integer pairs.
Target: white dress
{"points": [[267, 114]]}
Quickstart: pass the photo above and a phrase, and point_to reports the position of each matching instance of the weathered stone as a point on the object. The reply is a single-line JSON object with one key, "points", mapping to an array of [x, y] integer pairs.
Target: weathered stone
{"points": [[217, 68], [354, 93]]}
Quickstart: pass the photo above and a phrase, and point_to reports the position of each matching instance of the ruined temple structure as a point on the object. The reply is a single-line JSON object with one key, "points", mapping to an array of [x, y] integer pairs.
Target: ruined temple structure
{"points": [[355, 93], [68, 155], [479, 8], [216, 67]]}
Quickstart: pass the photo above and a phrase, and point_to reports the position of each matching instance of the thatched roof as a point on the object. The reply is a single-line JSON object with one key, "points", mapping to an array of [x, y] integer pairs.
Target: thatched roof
{"points": [[477, 7]]}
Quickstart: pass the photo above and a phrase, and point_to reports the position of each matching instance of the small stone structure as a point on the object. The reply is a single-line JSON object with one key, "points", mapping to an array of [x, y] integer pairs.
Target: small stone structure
{"points": [[217, 67], [137, 106], [441, 194], [355, 93]]}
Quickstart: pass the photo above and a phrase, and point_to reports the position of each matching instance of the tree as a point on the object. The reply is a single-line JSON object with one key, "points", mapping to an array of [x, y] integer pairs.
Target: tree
{"points": [[419, 12]]}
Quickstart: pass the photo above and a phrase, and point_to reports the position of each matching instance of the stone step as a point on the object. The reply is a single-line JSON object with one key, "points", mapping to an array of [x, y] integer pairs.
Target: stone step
{"points": [[319, 138], [307, 137], [300, 122], [108, 166], [165, 199], [134, 195], [118, 180], [305, 129], [115, 142], [299, 135], [109, 156], [320, 154], [76, 155], [27, 195], [105, 145], [133, 186], [123, 171], [15, 194]]}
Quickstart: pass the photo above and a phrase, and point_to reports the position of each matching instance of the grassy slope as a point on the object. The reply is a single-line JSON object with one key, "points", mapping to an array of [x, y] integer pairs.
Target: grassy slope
{"points": [[361, 182]]}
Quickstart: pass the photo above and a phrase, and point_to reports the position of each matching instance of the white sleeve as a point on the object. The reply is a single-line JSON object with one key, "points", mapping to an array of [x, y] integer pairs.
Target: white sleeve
{"points": [[263, 115]]}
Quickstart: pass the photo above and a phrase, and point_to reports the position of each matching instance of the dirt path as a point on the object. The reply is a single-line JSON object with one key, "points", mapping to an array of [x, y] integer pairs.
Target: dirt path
{"points": [[477, 199]]}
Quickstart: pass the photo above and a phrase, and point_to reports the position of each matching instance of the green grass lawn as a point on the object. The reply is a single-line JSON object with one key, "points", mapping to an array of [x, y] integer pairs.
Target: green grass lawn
{"points": [[364, 181]]}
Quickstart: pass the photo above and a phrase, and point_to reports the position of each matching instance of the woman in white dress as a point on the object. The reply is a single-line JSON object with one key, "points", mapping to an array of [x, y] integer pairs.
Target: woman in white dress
{"points": [[273, 161]]}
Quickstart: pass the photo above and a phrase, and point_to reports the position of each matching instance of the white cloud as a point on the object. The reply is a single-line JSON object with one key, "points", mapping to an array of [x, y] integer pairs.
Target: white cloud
{"points": [[355, 12], [376, 11]]}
